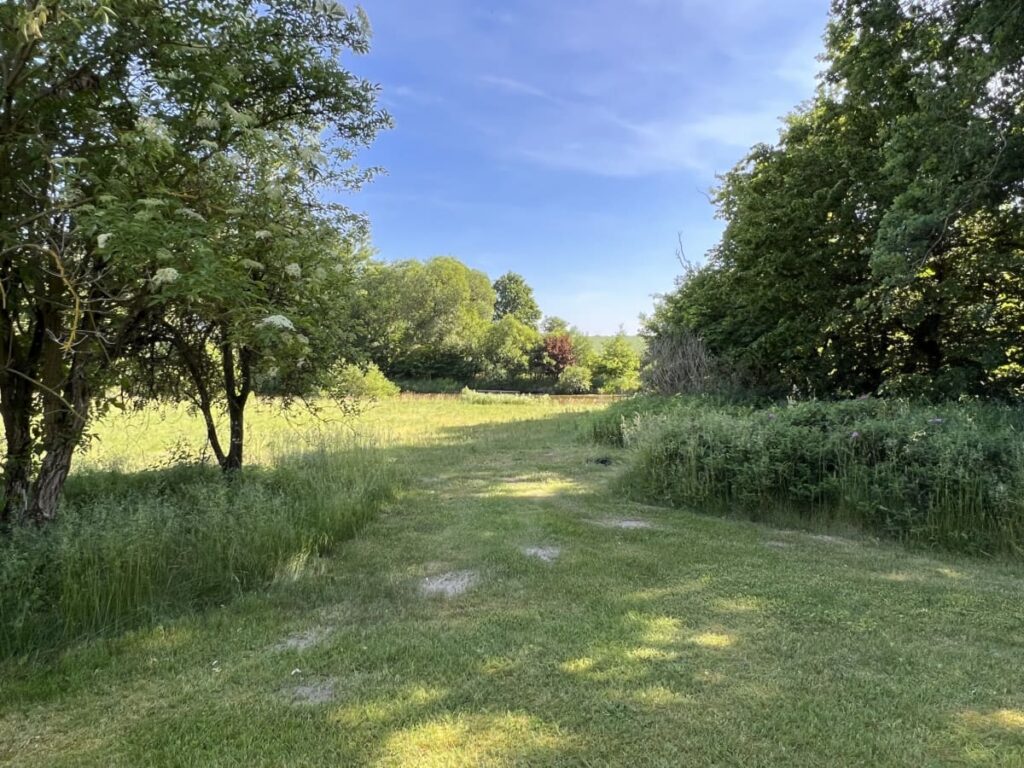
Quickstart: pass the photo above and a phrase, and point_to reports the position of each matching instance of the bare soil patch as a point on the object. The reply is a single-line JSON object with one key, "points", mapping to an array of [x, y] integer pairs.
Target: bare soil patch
{"points": [[547, 554], [451, 584]]}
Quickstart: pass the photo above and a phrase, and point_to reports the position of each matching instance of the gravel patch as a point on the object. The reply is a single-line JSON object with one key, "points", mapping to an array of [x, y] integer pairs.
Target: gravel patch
{"points": [[451, 584]]}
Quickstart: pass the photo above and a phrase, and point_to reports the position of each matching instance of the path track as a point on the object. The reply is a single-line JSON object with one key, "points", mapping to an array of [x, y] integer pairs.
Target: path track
{"points": [[691, 642]]}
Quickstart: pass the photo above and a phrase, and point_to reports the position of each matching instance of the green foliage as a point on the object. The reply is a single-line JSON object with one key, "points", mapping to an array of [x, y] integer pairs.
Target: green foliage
{"points": [[553, 324], [132, 549], [509, 347], [514, 297], [617, 367], [876, 248], [424, 319], [574, 380], [494, 398], [947, 476], [440, 386], [144, 149], [363, 382]]}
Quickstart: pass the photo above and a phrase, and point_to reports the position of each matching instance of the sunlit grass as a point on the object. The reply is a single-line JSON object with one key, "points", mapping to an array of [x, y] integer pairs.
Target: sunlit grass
{"points": [[693, 643]]}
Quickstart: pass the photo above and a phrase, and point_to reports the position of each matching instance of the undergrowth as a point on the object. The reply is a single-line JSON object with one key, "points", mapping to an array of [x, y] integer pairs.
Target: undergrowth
{"points": [[129, 549], [950, 476]]}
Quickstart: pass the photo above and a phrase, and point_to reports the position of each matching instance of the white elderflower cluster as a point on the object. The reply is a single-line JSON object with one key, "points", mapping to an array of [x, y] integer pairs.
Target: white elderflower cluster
{"points": [[277, 321], [293, 270], [165, 275]]}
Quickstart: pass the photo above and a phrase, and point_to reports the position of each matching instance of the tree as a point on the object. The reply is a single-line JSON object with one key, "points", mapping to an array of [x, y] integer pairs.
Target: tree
{"points": [[558, 353], [617, 368], [514, 297], [425, 319], [877, 246], [553, 324], [114, 119], [509, 346]]}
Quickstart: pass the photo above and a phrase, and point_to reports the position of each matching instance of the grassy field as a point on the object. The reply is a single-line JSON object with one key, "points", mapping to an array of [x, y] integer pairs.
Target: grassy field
{"points": [[590, 631]]}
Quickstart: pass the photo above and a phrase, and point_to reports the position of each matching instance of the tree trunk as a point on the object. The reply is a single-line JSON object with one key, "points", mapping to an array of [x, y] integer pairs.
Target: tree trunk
{"points": [[237, 388], [15, 402], [236, 419], [63, 425]]}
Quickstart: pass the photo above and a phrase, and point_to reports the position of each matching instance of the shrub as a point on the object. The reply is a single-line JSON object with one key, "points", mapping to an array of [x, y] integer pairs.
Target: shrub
{"points": [[950, 476], [530, 384], [617, 368], [678, 362], [440, 386], [574, 380], [488, 398], [367, 383], [621, 385]]}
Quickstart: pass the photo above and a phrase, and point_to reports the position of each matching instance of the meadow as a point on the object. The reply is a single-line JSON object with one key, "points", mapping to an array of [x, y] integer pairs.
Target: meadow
{"points": [[503, 604]]}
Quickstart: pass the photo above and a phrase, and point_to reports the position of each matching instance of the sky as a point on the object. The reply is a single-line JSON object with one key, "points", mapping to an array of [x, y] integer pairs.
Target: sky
{"points": [[573, 141]]}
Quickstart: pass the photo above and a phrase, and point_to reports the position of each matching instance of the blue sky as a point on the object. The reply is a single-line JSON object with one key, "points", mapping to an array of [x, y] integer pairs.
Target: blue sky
{"points": [[570, 140]]}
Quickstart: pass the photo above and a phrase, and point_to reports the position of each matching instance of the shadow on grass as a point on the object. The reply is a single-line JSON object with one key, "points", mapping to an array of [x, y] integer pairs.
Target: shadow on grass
{"points": [[691, 643]]}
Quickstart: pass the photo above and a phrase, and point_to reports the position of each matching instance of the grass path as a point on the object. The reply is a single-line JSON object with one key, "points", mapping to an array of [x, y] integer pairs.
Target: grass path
{"points": [[692, 642]]}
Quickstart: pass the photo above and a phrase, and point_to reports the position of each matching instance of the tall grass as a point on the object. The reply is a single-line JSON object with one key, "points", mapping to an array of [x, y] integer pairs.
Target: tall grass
{"points": [[950, 476], [130, 548]]}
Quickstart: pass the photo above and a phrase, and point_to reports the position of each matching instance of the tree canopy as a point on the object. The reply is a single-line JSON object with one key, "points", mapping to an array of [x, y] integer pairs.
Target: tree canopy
{"points": [[129, 134], [877, 247], [513, 296]]}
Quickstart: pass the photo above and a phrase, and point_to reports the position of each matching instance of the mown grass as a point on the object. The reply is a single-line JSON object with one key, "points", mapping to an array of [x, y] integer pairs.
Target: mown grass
{"points": [[950, 476], [699, 641]]}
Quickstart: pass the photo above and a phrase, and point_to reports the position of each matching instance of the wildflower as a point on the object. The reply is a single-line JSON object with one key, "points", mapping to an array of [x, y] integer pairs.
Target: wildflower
{"points": [[277, 321], [165, 275], [293, 270], [770, 415], [855, 435], [262, 234], [103, 239]]}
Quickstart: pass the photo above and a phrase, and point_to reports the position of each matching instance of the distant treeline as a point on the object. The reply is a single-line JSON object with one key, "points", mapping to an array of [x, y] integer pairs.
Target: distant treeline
{"points": [[440, 325]]}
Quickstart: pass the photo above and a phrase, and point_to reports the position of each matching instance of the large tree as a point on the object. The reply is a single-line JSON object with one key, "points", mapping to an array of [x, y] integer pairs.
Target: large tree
{"points": [[112, 119], [877, 247], [425, 319]]}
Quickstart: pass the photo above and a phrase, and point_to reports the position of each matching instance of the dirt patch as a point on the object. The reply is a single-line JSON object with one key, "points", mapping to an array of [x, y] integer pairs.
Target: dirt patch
{"points": [[313, 692], [547, 554], [300, 641], [451, 584]]}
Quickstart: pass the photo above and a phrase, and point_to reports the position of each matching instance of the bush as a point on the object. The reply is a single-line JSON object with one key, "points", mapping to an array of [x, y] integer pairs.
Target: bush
{"points": [[525, 384], [130, 549], [440, 386], [678, 362], [950, 476], [621, 385], [364, 383], [488, 398], [574, 380]]}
